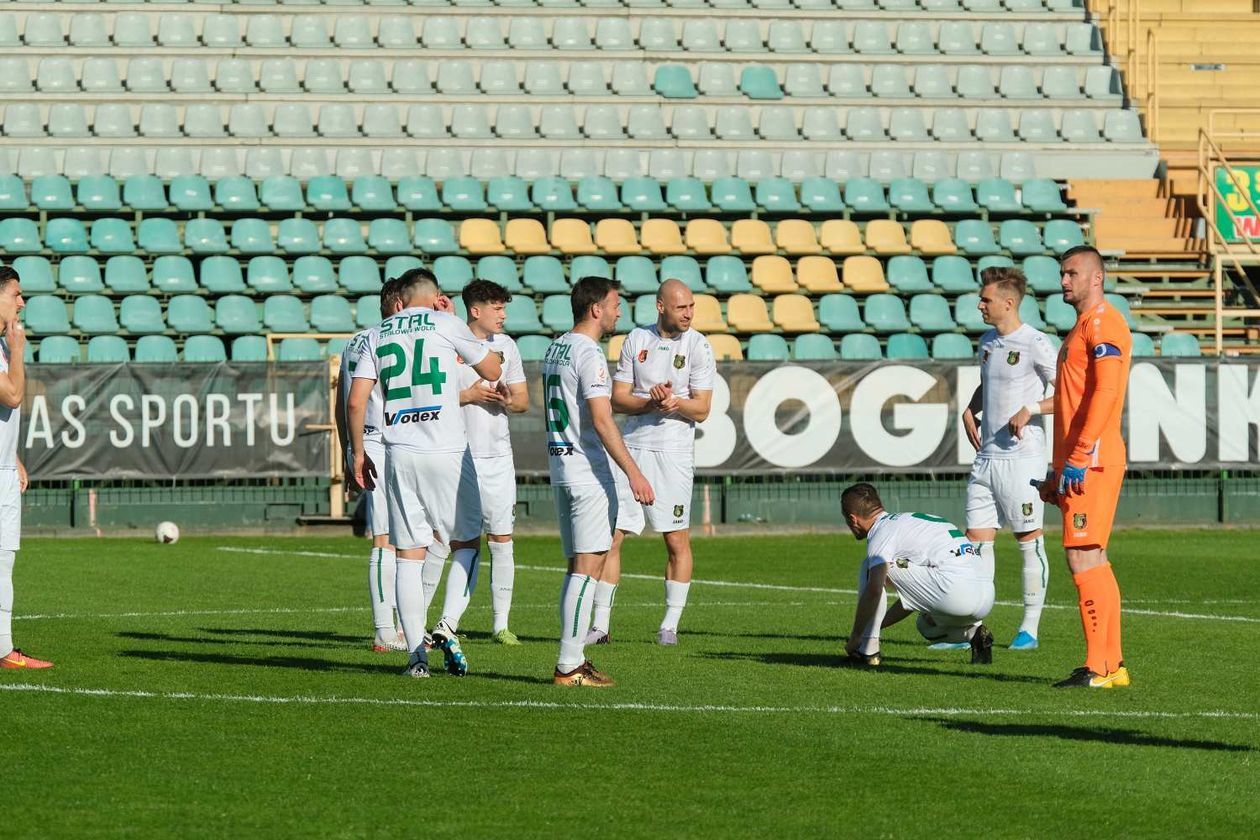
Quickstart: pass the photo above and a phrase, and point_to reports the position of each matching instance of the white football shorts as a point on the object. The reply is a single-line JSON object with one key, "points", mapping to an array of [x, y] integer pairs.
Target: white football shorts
{"points": [[10, 510], [496, 478], [376, 498], [953, 598], [432, 499], [999, 493], [587, 514], [671, 475]]}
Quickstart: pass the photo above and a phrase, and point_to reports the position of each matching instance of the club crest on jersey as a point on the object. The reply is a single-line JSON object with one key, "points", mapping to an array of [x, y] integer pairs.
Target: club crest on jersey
{"points": [[643, 354], [984, 360], [502, 358], [1012, 358], [679, 361], [1027, 509], [1078, 520], [678, 510], [413, 415]]}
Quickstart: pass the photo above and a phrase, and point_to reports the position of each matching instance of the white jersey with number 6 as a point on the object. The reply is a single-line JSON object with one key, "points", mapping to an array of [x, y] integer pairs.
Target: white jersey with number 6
{"points": [[648, 359], [414, 356], [1015, 370], [374, 422], [487, 425], [574, 371]]}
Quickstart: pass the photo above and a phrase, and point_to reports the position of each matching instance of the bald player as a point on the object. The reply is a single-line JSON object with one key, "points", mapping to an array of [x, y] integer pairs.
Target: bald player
{"points": [[664, 383], [1089, 460]]}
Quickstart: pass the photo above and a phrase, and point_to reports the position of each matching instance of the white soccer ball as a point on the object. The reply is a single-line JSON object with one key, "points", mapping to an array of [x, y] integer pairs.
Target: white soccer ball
{"points": [[166, 533]]}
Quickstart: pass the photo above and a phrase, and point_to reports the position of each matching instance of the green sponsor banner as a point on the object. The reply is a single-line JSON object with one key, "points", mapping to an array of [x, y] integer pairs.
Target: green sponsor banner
{"points": [[1239, 188]]}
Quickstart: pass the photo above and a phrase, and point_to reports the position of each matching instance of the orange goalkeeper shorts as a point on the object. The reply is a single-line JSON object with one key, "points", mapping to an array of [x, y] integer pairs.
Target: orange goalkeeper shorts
{"points": [[1088, 516]]}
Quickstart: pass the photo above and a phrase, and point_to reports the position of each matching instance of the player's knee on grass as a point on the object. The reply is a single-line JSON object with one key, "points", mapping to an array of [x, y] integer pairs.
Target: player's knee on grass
{"points": [[929, 629]]}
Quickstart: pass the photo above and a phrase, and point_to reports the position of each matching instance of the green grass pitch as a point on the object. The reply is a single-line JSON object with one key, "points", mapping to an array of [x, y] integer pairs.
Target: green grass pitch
{"points": [[207, 692]]}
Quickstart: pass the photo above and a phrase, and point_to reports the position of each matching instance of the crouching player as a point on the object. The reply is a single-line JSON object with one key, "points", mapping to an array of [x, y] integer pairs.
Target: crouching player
{"points": [[932, 567]]}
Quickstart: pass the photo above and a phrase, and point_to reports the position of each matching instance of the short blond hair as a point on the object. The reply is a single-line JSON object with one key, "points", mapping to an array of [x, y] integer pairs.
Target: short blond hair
{"points": [[1006, 278]]}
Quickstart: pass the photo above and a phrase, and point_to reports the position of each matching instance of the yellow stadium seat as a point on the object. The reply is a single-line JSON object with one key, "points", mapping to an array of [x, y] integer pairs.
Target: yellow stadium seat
{"points": [[842, 237], [884, 236], [616, 236], [752, 236], [614, 347], [773, 275], [795, 314], [572, 236], [480, 236], [818, 275], [747, 314], [662, 236], [725, 348], [864, 275], [708, 315], [796, 237], [526, 236], [707, 236], [932, 237]]}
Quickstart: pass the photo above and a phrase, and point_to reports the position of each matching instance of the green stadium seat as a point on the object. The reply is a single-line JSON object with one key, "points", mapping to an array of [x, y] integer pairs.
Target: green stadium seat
{"points": [[684, 268], [557, 313], [94, 315], [1041, 195], [993, 261], [766, 347], [1121, 304], [335, 347], [501, 270], [367, 311], [727, 274], [777, 195], [359, 275], [189, 314], [145, 193], [599, 194], [65, 236], [221, 275], [282, 193], [249, 348], [822, 195], [52, 192], [814, 347], [314, 275], [908, 275], [328, 193], [236, 314], [860, 347], [967, 315], [758, 82], [589, 265], [343, 236], [522, 317], [907, 346], [19, 236], [252, 236], [373, 194], [533, 347], [298, 236], [687, 195], [674, 82], [268, 275], [552, 194], [79, 275], [418, 193], [284, 313], [237, 194], [174, 275], [1020, 237], [885, 313], [123, 275], [107, 349], [45, 315], [298, 350], [645, 310], [1061, 234], [839, 314], [1042, 273], [36, 274], [1030, 314], [190, 193], [637, 275], [997, 195], [1143, 346], [930, 313], [544, 275], [1060, 314], [141, 314], [435, 236], [464, 194], [947, 346], [99, 194], [975, 237], [159, 236], [204, 348], [642, 194], [205, 236], [13, 193], [59, 350], [1180, 345], [732, 195], [453, 273], [508, 193], [399, 265], [625, 322], [156, 349], [865, 195], [909, 195], [331, 313], [953, 195], [112, 236]]}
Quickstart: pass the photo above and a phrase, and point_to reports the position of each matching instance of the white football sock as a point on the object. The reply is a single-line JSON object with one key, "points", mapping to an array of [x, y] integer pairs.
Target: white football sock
{"points": [[675, 600], [1036, 576], [461, 580], [605, 594], [382, 612], [575, 619], [6, 602], [986, 564], [502, 579], [410, 590], [869, 635], [433, 568]]}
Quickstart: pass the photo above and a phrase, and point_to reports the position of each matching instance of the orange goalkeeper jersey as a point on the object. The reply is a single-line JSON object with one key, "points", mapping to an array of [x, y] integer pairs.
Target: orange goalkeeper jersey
{"points": [[1089, 390]]}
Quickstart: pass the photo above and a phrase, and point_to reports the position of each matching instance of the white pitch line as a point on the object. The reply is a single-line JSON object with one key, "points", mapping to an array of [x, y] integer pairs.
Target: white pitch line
{"points": [[546, 705]]}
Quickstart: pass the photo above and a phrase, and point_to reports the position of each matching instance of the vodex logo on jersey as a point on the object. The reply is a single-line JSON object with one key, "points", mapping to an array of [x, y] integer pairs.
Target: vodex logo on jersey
{"points": [[413, 415]]}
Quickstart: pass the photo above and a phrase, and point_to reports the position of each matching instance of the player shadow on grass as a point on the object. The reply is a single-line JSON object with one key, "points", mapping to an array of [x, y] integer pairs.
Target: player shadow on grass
{"points": [[332, 642], [1125, 737], [296, 662], [312, 635], [831, 660]]}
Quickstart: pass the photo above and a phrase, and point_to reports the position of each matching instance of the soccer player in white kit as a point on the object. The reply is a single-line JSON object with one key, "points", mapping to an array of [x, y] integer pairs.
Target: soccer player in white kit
{"points": [[664, 382], [930, 564], [12, 473], [584, 450], [1017, 366], [382, 562], [485, 407], [430, 480]]}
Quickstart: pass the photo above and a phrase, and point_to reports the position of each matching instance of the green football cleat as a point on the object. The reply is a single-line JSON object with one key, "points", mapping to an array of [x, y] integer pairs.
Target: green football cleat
{"points": [[505, 637]]}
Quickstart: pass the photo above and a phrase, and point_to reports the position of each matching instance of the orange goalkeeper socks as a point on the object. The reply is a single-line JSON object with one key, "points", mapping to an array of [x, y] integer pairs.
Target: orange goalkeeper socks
{"points": [[1099, 601]]}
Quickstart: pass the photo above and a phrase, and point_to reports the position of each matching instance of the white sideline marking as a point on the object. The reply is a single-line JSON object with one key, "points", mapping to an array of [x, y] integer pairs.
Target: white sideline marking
{"points": [[782, 588], [950, 711]]}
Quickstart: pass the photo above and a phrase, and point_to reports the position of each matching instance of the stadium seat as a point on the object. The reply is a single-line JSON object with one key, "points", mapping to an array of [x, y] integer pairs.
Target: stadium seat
{"points": [[435, 236], [298, 350], [642, 194], [860, 347], [814, 347], [141, 314], [1062, 234], [284, 313], [389, 236], [1143, 345], [12, 193], [773, 275], [930, 313], [188, 314], [684, 268], [598, 193], [662, 236], [910, 195], [885, 313], [818, 275], [707, 236], [864, 274], [752, 237], [453, 273], [747, 313], [45, 315], [841, 237], [975, 237], [248, 348], [908, 275], [222, 275], [1121, 305], [726, 348], [728, 275], [59, 350], [708, 317], [236, 314], [821, 195], [372, 193], [1060, 314], [949, 346], [645, 310], [79, 275], [557, 313], [331, 313], [65, 236], [616, 236], [865, 195], [36, 275], [313, 275], [358, 275], [768, 348], [1020, 237], [94, 315], [796, 237], [886, 237], [1042, 195], [907, 346], [99, 193], [637, 275], [522, 317], [19, 236], [156, 349], [794, 313], [532, 347], [967, 315], [526, 236]]}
